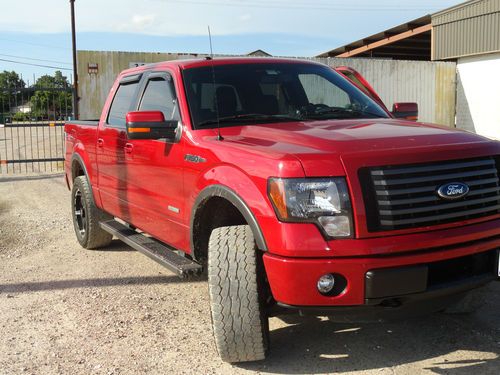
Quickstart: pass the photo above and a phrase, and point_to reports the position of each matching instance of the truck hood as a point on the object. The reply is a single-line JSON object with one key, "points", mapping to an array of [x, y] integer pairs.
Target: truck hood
{"points": [[322, 145]]}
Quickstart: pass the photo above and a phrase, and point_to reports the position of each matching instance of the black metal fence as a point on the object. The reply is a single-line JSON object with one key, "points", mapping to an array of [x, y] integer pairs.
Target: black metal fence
{"points": [[32, 129], [31, 147]]}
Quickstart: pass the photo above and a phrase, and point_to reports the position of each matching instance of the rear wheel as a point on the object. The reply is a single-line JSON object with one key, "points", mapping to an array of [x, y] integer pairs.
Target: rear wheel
{"points": [[86, 216], [235, 281]]}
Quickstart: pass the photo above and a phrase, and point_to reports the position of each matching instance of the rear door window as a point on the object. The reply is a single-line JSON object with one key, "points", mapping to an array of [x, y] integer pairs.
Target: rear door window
{"points": [[207, 96], [122, 103], [276, 92]]}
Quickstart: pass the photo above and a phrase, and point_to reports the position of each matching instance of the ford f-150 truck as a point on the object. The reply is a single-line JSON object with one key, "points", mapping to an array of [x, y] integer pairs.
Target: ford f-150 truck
{"points": [[292, 187]]}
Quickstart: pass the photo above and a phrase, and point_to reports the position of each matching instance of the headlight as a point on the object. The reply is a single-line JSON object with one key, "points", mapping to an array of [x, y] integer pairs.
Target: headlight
{"points": [[323, 201]]}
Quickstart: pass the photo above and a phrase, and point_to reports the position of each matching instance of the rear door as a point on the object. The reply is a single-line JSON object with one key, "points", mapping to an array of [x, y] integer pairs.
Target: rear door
{"points": [[111, 150]]}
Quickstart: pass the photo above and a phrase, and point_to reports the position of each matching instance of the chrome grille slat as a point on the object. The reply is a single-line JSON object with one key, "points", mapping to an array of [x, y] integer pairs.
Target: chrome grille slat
{"points": [[432, 188], [443, 177], [396, 171], [440, 217], [396, 202], [445, 206], [405, 196]]}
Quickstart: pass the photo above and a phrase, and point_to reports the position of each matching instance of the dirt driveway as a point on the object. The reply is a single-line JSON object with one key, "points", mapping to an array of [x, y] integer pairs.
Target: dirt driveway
{"points": [[64, 310]]}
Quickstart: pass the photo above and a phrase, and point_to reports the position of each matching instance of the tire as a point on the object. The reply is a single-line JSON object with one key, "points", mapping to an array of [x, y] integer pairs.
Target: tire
{"points": [[86, 216], [469, 303], [235, 283]]}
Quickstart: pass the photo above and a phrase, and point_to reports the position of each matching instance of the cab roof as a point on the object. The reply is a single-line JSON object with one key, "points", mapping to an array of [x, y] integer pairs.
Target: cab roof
{"points": [[201, 62]]}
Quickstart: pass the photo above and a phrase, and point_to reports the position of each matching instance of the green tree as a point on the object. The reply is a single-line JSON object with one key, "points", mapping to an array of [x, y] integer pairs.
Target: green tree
{"points": [[10, 85], [52, 98]]}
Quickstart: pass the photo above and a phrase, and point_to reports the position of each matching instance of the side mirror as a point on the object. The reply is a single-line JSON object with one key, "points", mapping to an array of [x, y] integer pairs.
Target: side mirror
{"points": [[151, 125], [408, 111]]}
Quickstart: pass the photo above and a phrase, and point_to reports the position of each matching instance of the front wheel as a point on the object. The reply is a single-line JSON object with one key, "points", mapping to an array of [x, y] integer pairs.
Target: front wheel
{"points": [[86, 216], [235, 282]]}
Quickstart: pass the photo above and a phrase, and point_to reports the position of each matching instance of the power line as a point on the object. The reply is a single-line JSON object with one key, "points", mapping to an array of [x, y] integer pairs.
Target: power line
{"points": [[31, 58], [321, 3], [305, 6], [43, 66], [34, 44]]}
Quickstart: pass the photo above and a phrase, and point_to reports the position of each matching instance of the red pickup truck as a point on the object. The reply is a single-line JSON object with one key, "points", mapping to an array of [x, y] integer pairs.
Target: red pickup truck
{"points": [[292, 187]]}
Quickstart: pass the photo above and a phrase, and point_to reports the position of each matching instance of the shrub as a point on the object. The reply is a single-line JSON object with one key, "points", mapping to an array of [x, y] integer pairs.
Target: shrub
{"points": [[20, 116]]}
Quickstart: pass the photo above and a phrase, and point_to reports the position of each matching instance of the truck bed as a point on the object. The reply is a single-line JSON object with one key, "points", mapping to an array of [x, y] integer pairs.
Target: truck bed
{"points": [[84, 122], [82, 135]]}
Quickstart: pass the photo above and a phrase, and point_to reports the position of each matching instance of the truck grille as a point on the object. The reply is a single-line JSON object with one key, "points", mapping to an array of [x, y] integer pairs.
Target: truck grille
{"points": [[405, 196]]}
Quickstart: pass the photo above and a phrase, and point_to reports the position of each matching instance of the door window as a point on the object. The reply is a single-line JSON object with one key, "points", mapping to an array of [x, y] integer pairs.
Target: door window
{"points": [[158, 97], [121, 104]]}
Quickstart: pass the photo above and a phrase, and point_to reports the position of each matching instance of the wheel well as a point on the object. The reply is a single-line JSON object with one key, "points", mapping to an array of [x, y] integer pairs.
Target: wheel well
{"points": [[76, 170], [212, 213]]}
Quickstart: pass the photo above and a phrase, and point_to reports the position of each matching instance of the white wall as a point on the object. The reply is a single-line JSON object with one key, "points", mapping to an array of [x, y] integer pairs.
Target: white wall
{"points": [[478, 94]]}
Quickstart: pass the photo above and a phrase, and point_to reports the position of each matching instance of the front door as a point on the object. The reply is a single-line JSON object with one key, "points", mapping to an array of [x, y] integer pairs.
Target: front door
{"points": [[154, 168]]}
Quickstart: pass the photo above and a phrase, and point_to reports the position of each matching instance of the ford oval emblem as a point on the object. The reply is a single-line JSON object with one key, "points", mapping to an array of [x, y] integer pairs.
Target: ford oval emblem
{"points": [[453, 190]]}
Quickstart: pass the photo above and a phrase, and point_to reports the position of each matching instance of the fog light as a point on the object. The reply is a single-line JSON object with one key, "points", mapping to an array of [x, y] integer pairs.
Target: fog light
{"points": [[326, 283], [336, 226]]}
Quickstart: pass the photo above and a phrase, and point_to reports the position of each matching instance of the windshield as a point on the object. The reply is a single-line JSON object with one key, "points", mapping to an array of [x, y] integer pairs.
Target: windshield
{"points": [[247, 94]]}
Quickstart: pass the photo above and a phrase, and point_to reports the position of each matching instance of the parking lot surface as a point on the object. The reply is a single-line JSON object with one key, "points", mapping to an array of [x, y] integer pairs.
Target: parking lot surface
{"points": [[66, 310]]}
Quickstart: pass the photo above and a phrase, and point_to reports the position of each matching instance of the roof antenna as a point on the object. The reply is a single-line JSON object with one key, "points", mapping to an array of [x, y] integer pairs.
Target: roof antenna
{"points": [[219, 136]]}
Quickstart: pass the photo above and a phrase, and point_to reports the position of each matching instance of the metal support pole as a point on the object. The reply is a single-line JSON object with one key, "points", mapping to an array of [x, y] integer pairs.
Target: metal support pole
{"points": [[75, 73]]}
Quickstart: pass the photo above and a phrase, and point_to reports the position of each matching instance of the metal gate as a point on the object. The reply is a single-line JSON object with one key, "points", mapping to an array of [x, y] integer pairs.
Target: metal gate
{"points": [[32, 129]]}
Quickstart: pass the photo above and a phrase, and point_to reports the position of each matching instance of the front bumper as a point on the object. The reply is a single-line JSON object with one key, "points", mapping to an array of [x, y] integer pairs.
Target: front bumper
{"points": [[388, 281], [398, 307]]}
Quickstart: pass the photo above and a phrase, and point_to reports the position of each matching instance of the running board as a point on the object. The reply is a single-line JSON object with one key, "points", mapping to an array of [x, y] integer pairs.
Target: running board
{"points": [[152, 248]]}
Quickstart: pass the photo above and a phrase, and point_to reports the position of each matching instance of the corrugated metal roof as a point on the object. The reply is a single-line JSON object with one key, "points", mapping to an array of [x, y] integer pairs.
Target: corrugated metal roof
{"points": [[425, 20], [467, 29]]}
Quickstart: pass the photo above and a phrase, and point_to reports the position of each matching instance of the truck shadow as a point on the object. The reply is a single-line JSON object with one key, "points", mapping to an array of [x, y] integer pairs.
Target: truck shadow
{"points": [[32, 178], [445, 344], [87, 283], [116, 246]]}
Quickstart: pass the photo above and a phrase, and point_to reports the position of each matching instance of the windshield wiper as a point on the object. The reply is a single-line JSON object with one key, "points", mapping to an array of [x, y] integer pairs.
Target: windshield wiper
{"points": [[325, 112], [361, 112], [249, 117]]}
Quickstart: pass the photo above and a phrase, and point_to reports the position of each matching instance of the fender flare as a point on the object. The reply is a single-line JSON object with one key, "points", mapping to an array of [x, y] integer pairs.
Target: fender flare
{"points": [[76, 157], [230, 195], [80, 161]]}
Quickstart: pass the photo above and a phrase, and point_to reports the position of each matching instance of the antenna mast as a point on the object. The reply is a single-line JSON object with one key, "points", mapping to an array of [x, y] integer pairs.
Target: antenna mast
{"points": [[219, 136]]}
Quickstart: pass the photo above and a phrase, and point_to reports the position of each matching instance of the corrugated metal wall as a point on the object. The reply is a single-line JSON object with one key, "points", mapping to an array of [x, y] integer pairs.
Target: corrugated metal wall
{"points": [[431, 84], [467, 29], [468, 9], [94, 87]]}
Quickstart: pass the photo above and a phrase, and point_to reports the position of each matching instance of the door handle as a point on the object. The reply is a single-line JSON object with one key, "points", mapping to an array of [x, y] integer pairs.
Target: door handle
{"points": [[128, 148], [100, 142]]}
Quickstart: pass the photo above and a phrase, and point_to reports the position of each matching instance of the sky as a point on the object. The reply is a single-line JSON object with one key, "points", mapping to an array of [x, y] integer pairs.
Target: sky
{"points": [[38, 31]]}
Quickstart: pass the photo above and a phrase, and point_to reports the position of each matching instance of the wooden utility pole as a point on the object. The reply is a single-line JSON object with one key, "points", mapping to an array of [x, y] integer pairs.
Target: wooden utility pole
{"points": [[75, 73]]}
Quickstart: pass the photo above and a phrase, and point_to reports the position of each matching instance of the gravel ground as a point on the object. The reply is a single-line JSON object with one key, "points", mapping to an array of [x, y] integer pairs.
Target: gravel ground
{"points": [[64, 310]]}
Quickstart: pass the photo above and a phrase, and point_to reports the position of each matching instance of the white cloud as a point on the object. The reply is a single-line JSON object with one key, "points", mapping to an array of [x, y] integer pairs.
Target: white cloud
{"points": [[245, 17], [143, 21], [165, 17]]}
